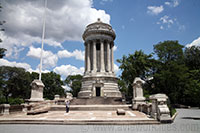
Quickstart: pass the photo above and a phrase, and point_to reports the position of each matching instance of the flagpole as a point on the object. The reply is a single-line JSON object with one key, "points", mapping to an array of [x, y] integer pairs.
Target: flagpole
{"points": [[43, 34]]}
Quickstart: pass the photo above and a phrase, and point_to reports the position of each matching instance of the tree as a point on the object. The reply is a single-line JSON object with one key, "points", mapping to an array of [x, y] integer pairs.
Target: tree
{"points": [[135, 65], [74, 82], [171, 74], [192, 90], [192, 57], [2, 52], [53, 84], [169, 51], [15, 82]]}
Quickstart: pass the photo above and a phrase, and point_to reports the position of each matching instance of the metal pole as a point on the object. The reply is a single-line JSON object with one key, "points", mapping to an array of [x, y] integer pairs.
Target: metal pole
{"points": [[43, 33]]}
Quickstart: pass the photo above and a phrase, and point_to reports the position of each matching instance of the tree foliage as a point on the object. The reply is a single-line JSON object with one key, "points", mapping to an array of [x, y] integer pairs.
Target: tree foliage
{"points": [[168, 51], [74, 82], [15, 83], [192, 57], [175, 72], [53, 84], [2, 52], [171, 73], [138, 64]]}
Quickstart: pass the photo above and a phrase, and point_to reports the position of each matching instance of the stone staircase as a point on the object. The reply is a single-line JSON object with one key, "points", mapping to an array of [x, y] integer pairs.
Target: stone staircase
{"points": [[94, 104], [98, 101]]}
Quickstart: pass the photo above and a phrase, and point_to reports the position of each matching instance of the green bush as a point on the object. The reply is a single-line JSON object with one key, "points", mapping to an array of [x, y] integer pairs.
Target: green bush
{"points": [[2, 100], [12, 101], [15, 101], [171, 109]]}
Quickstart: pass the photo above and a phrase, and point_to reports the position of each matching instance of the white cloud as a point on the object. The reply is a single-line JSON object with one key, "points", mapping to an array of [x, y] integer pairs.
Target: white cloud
{"points": [[66, 70], [196, 42], [115, 48], [66, 87], [102, 2], [4, 62], [173, 3], [65, 20], [116, 68], [166, 20], [167, 3], [155, 10], [49, 59], [27, 67], [78, 54]]}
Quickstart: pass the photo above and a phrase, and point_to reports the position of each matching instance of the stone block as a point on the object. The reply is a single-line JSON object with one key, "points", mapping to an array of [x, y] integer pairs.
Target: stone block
{"points": [[121, 112]]}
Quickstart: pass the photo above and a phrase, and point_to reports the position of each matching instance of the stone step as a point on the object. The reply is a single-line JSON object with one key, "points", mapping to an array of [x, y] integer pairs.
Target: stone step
{"points": [[98, 100], [91, 107]]}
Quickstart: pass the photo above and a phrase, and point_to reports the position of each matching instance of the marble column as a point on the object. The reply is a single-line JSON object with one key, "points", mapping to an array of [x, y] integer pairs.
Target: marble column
{"points": [[112, 58], [102, 57], [108, 56], [94, 57], [88, 57]]}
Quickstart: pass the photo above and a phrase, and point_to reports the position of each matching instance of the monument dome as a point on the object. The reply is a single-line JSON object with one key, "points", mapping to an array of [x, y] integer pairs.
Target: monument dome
{"points": [[99, 30]]}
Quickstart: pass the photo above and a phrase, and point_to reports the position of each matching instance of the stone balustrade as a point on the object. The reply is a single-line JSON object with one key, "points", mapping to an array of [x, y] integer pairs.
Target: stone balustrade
{"points": [[157, 109]]}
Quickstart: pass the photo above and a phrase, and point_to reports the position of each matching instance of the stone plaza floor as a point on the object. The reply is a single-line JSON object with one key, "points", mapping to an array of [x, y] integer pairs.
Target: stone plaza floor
{"points": [[79, 117], [182, 124]]}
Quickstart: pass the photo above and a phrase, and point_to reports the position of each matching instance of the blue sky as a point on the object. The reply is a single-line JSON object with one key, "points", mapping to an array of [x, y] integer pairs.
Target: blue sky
{"points": [[139, 24]]}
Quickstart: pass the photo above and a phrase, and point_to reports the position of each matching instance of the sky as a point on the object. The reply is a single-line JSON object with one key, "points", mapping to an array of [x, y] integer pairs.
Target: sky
{"points": [[138, 24]]}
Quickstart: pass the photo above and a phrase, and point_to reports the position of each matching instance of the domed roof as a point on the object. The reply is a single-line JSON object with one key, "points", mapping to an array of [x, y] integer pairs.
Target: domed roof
{"points": [[98, 28]]}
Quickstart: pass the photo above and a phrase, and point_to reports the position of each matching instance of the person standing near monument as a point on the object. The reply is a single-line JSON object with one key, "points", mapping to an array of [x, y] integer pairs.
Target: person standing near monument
{"points": [[67, 106]]}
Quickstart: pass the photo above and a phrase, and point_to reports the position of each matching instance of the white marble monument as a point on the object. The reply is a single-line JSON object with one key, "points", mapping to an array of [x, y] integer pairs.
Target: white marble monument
{"points": [[99, 79], [138, 97], [36, 91]]}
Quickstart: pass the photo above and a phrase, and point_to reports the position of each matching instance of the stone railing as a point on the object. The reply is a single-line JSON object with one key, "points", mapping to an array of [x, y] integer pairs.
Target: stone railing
{"points": [[157, 109], [146, 108]]}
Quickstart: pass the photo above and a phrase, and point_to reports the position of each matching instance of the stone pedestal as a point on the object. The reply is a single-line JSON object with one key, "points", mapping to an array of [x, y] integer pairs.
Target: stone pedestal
{"points": [[107, 86], [5, 110], [56, 97], [36, 91], [160, 109], [138, 97]]}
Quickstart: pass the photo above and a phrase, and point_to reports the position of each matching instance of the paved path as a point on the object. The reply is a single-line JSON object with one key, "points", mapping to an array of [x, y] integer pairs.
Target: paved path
{"points": [[184, 123]]}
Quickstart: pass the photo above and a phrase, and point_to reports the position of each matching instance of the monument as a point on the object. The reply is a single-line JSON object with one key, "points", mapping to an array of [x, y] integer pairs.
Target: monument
{"points": [[36, 91], [138, 97], [99, 79]]}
